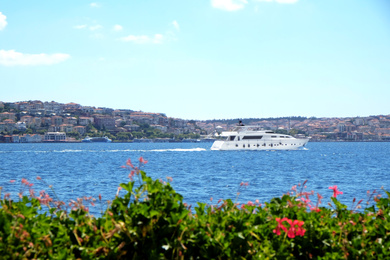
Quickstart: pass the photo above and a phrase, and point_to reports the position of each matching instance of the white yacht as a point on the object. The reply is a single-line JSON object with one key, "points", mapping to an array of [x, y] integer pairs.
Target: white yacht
{"points": [[252, 138]]}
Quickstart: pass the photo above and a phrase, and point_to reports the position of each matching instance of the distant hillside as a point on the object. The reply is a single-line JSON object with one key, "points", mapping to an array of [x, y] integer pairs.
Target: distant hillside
{"points": [[248, 121]]}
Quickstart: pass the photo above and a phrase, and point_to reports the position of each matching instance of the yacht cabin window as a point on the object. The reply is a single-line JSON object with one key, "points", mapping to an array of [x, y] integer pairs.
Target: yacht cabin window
{"points": [[252, 137]]}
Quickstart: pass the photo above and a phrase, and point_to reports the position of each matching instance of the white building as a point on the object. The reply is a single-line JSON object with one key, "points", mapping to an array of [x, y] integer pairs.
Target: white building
{"points": [[33, 138], [55, 137]]}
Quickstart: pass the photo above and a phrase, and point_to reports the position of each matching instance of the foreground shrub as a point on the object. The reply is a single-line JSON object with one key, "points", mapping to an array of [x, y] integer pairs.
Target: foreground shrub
{"points": [[150, 221]]}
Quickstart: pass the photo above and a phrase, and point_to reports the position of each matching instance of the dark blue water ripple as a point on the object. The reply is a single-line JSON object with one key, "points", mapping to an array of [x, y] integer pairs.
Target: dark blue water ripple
{"points": [[77, 170]]}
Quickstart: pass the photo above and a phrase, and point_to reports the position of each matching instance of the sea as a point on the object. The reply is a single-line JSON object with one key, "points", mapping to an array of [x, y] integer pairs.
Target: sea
{"points": [[75, 170]]}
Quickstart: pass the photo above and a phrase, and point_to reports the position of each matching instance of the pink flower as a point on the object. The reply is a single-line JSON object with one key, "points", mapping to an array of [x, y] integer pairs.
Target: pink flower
{"points": [[131, 175], [335, 191], [319, 198], [250, 203], [128, 162], [117, 192], [39, 178], [142, 160], [12, 181]]}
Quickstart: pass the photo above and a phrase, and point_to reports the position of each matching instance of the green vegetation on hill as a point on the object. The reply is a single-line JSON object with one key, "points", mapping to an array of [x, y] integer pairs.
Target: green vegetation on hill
{"points": [[144, 131]]}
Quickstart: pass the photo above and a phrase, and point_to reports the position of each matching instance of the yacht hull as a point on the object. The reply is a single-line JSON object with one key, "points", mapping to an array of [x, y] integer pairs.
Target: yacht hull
{"points": [[253, 145]]}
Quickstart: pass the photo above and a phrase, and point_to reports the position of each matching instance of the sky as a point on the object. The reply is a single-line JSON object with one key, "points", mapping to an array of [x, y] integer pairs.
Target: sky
{"points": [[200, 59]]}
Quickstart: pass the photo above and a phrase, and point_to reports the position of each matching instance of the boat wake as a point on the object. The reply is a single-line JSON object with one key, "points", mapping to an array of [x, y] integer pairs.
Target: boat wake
{"points": [[179, 150], [111, 151], [164, 150], [158, 150]]}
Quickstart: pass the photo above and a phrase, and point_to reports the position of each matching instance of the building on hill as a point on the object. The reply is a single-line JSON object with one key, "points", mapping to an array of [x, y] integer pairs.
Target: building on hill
{"points": [[67, 128], [80, 129], [7, 115], [84, 121], [8, 125], [106, 122]]}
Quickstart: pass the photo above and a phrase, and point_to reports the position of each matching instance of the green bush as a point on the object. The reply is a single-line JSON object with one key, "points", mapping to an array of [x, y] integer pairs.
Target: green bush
{"points": [[151, 222]]}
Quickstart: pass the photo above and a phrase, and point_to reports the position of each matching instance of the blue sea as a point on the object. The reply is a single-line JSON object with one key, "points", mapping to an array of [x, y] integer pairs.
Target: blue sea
{"points": [[199, 174]]}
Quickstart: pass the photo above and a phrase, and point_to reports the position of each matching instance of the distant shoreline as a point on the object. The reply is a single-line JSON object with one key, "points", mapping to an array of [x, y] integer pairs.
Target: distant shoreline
{"points": [[131, 142]]}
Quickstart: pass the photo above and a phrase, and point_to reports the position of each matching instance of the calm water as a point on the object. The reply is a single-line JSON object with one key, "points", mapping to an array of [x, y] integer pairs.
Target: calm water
{"points": [[90, 169]]}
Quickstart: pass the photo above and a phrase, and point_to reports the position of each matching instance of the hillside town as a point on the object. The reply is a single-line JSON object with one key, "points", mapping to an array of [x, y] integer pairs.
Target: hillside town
{"points": [[37, 121]]}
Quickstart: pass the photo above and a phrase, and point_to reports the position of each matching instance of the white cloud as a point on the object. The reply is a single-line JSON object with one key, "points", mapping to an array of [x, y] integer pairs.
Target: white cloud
{"points": [[81, 26], [96, 5], [13, 58], [95, 27], [97, 36], [229, 5], [279, 1], [3, 22], [143, 39], [286, 1], [118, 28], [158, 38], [176, 25], [90, 27]]}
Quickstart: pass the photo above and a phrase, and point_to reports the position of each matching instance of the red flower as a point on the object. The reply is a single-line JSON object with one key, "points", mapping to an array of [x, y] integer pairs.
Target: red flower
{"points": [[335, 191], [280, 226], [294, 230]]}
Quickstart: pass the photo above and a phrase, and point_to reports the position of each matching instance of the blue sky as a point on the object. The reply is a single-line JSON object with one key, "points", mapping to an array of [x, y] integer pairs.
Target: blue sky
{"points": [[200, 59]]}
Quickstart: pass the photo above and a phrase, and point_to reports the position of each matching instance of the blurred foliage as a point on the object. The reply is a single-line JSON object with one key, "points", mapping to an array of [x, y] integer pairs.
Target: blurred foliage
{"points": [[150, 221]]}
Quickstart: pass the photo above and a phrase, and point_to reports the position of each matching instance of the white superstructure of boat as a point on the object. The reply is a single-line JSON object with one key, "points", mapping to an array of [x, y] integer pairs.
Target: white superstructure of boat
{"points": [[251, 138]]}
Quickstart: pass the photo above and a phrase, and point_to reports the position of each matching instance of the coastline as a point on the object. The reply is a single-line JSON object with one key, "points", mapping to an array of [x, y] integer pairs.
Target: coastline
{"points": [[200, 141]]}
